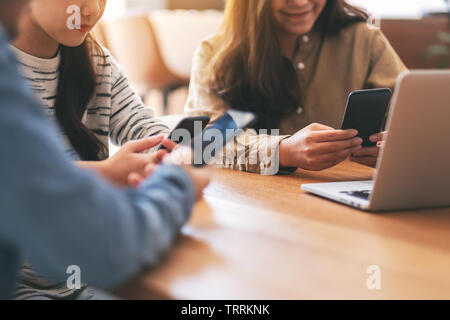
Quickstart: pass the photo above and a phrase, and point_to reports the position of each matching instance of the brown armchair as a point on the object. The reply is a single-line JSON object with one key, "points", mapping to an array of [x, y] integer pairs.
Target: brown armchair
{"points": [[133, 43]]}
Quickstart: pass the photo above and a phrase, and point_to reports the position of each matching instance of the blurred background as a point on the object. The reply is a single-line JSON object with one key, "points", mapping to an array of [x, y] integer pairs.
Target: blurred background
{"points": [[154, 40]]}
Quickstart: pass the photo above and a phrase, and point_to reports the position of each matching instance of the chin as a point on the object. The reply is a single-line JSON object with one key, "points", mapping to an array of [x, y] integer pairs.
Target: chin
{"points": [[300, 30], [72, 39], [73, 43]]}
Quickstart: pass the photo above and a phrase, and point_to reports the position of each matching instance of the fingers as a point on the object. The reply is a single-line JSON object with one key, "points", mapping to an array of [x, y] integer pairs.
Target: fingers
{"points": [[365, 161], [331, 164], [366, 156], [169, 144], [135, 180], [339, 156], [148, 162], [141, 145], [329, 160], [332, 135], [150, 169], [319, 127], [378, 137], [155, 157], [374, 138], [180, 156], [367, 152], [330, 147]]}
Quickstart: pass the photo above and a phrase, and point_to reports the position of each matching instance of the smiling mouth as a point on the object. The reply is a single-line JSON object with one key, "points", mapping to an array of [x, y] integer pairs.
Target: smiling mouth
{"points": [[84, 28], [298, 16]]}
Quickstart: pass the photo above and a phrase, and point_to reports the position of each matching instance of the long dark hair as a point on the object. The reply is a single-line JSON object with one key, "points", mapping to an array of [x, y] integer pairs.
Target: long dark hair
{"points": [[77, 82], [249, 71]]}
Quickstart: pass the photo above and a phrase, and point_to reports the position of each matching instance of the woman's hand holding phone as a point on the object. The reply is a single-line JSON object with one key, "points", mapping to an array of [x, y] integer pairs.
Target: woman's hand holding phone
{"points": [[318, 147], [183, 156], [369, 156], [128, 166], [129, 162]]}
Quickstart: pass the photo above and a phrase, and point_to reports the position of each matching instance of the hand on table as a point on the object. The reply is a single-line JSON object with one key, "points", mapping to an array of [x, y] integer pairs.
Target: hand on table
{"points": [[183, 157], [128, 166], [369, 156], [318, 147]]}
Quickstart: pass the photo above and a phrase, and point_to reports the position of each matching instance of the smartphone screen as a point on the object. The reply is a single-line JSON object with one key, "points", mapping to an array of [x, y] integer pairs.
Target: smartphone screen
{"points": [[219, 133], [366, 112], [187, 126]]}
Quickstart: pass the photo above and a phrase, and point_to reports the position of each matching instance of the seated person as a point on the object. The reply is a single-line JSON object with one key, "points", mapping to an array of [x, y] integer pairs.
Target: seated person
{"points": [[55, 214], [82, 89], [293, 63], [80, 86]]}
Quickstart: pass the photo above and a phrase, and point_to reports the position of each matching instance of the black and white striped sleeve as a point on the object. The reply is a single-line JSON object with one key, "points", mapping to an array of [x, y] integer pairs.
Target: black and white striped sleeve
{"points": [[130, 119]]}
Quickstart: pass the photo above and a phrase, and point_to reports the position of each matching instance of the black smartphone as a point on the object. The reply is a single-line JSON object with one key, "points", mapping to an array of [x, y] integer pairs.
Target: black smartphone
{"points": [[366, 112], [218, 134], [187, 127]]}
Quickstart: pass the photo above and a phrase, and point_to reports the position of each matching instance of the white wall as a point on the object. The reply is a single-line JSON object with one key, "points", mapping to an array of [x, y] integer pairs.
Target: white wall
{"points": [[151, 4], [118, 7]]}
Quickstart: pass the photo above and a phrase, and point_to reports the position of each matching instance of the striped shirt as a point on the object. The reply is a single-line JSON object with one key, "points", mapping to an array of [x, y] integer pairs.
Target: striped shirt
{"points": [[115, 112]]}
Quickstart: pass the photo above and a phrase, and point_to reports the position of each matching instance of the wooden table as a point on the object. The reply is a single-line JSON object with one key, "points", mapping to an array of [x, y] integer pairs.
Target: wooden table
{"points": [[261, 237]]}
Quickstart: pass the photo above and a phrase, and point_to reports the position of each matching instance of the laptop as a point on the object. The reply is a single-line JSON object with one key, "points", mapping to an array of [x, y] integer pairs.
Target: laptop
{"points": [[414, 166]]}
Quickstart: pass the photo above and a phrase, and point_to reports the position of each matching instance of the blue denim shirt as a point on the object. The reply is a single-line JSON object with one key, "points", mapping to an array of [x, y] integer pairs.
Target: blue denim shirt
{"points": [[55, 215]]}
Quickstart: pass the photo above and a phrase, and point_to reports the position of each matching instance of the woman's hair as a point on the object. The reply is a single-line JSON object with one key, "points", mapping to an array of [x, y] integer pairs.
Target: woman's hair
{"points": [[249, 71], [77, 82]]}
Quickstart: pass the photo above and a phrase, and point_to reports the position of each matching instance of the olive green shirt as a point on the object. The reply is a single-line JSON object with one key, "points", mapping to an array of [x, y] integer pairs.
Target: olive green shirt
{"points": [[329, 68]]}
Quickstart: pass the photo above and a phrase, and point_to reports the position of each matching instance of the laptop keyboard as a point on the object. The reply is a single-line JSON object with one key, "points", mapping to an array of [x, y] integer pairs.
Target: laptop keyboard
{"points": [[364, 194]]}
